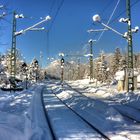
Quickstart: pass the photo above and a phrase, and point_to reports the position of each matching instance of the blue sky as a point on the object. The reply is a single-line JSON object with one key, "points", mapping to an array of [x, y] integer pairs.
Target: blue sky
{"points": [[68, 33]]}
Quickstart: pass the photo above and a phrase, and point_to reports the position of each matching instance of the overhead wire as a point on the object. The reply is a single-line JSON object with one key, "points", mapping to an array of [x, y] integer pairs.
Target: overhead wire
{"points": [[45, 36], [2, 17], [109, 3], [48, 31], [109, 18], [133, 4], [56, 14], [51, 7], [6, 20], [112, 21], [106, 7], [53, 19]]}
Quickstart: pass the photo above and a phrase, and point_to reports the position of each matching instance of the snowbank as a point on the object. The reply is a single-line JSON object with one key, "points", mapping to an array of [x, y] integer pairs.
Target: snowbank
{"points": [[138, 79], [36, 126], [22, 116], [104, 117], [119, 75]]}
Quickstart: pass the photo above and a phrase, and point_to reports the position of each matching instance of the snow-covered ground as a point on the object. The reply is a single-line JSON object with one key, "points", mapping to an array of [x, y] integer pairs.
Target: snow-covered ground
{"points": [[22, 115], [127, 104], [106, 91], [65, 123]]}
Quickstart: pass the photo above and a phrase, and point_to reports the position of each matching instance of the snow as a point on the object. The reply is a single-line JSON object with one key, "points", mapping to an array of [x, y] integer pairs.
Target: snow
{"points": [[36, 120], [138, 78], [125, 103], [65, 123], [22, 116], [119, 75]]}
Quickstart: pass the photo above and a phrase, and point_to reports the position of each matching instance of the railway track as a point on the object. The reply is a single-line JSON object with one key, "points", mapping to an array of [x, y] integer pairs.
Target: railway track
{"points": [[90, 132], [131, 115], [84, 117], [47, 118]]}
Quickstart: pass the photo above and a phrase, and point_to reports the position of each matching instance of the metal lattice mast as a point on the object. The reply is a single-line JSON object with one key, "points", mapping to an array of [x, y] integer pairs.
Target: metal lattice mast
{"points": [[91, 59], [130, 72], [13, 49]]}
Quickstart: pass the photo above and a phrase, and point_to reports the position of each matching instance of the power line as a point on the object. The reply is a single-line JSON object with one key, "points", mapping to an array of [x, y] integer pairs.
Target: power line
{"points": [[7, 20], [110, 18], [53, 19], [58, 9], [101, 13], [124, 11], [47, 32], [117, 17], [52, 5], [106, 7]]}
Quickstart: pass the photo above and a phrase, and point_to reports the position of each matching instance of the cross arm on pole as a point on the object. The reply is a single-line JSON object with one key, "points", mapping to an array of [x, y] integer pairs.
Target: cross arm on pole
{"points": [[110, 28], [96, 30], [32, 28], [97, 18]]}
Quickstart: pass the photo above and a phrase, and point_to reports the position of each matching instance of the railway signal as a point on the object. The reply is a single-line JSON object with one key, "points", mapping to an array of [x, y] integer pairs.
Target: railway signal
{"points": [[36, 66], [62, 61], [25, 70]]}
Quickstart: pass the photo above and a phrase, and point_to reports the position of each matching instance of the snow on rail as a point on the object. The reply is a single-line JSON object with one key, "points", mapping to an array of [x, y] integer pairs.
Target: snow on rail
{"points": [[105, 118], [128, 104], [36, 122], [65, 123]]}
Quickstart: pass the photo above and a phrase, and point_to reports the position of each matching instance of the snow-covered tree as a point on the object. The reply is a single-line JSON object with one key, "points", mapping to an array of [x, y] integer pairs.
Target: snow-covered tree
{"points": [[101, 73], [3, 69], [34, 70], [72, 70], [115, 64]]}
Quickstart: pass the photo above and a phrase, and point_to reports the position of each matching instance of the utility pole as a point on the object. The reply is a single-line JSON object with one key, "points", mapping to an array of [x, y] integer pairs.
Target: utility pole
{"points": [[130, 71], [13, 50], [128, 36], [62, 70], [91, 59]]}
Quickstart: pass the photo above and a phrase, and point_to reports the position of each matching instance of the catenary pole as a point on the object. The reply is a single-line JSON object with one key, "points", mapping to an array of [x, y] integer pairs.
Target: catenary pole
{"points": [[130, 71], [13, 50]]}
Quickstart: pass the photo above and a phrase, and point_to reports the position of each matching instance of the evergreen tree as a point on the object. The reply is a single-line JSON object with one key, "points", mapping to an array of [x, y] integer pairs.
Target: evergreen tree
{"points": [[101, 68], [34, 70], [115, 65]]}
